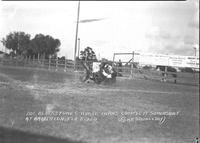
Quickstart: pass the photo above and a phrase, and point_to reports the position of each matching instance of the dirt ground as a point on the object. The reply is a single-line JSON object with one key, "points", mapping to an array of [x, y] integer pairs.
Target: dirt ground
{"points": [[57, 104]]}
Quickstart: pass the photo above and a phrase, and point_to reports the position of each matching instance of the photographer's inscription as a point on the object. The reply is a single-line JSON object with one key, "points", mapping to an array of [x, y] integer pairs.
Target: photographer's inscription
{"points": [[123, 116]]}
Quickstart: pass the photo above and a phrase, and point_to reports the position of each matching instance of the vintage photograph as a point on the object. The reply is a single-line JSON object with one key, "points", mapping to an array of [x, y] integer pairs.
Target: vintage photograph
{"points": [[99, 71]]}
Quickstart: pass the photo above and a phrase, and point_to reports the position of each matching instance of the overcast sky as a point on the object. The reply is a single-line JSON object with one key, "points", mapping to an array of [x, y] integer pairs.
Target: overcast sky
{"points": [[113, 26]]}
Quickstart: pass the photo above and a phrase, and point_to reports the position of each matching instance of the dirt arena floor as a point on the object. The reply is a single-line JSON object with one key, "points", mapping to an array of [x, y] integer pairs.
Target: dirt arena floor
{"points": [[41, 106]]}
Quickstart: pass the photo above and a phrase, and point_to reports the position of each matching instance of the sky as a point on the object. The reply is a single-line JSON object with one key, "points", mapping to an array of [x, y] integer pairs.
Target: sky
{"points": [[159, 27]]}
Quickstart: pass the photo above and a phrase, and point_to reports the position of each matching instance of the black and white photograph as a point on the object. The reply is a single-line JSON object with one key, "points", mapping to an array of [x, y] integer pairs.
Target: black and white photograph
{"points": [[99, 71]]}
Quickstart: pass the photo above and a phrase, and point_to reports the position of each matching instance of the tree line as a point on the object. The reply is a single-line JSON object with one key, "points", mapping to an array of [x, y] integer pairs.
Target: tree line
{"points": [[41, 46]]}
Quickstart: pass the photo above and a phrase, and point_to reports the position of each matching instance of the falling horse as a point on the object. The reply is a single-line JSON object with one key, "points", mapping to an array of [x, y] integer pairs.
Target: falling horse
{"points": [[99, 72]]}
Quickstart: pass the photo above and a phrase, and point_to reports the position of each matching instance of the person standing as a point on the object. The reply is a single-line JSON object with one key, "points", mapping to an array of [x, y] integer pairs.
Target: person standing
{"points": [[120, 66]]}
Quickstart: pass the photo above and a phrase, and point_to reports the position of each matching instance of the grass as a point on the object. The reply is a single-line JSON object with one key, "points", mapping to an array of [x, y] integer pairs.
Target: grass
{"points": [[28, 90]]}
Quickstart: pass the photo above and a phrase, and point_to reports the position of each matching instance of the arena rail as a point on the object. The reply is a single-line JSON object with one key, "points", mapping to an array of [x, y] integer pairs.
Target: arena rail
{"points": [[130, 70]]}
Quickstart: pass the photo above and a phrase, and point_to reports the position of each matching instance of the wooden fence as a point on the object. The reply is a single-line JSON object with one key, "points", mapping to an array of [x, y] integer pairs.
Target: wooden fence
{"points": [[124, 70]]}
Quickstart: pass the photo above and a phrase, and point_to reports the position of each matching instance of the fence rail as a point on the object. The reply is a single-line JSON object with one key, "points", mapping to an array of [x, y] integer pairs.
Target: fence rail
{"points": [[124, 70]]}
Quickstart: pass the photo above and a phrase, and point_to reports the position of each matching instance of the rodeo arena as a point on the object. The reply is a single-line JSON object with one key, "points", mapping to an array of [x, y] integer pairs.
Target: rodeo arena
{"points": [[132, 97], [149, 98]]}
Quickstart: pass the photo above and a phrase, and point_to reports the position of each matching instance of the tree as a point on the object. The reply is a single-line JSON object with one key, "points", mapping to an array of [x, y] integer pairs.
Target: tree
{"points": [[44, 45], [61, 58], [18, 42], [88, 54]]}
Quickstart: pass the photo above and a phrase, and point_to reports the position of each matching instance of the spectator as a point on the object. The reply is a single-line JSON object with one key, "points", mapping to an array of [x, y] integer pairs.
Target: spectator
{"points": [[120, 66]]}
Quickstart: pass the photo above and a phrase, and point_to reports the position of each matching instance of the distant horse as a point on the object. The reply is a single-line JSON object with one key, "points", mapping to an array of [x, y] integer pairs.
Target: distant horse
{"points": [[172, 71]]}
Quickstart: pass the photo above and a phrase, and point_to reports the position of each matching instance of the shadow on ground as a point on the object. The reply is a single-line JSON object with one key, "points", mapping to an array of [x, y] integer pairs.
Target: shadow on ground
{"points": [[8, 135]]}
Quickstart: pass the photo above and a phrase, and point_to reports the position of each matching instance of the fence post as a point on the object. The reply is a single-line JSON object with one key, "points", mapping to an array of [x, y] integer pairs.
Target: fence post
{"points": [[33, 59], [38, 57], [165, 75], [116, 67], [65, 66], [44, 55], [131, 70], [57, 64], [49, 63], [132, 64], [29, 59]]}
